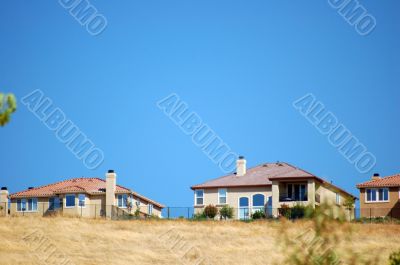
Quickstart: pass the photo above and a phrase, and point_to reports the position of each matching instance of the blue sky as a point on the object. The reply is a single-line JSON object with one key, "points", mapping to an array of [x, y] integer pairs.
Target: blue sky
{"points": [[238, 64]]}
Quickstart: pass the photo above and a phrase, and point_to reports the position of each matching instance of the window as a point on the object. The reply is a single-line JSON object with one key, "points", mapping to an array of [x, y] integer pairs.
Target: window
{"points": [[297, 192], [54, 203], [82, 199], [222, 196], [290, 191], [150, 209], [28, 205], [21, 205], [137, 202], [338, 198], [32, 205], [258, 202], [199, 197], [377, 195], [244, 208], [70, 200], [122, 200]]}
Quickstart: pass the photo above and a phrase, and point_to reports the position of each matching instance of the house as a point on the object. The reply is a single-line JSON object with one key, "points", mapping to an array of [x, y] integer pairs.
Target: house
{"points": [[267, 187], [87, 197], [380, 196]]}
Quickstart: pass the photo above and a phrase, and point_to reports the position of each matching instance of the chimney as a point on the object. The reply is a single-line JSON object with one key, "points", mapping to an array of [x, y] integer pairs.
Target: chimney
{"points": [[241, 166], [3, 201], [376, 176], [111, 183]]}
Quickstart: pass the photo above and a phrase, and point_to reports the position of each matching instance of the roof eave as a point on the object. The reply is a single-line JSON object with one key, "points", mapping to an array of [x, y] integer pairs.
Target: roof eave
{"points": [[229, 186]]}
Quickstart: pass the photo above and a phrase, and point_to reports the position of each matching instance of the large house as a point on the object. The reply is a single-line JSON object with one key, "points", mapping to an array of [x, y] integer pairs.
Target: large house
{"points": [[87, 197], [267, 187], [380, 196]]}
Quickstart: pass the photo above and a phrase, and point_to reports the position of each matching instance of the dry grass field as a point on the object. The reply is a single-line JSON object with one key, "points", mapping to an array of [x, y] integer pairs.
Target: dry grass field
{"points": [[89, 242]]}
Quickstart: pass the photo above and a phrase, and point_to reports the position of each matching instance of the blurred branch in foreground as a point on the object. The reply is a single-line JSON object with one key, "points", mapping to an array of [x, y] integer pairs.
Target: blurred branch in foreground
{"points": [[8, 105]]}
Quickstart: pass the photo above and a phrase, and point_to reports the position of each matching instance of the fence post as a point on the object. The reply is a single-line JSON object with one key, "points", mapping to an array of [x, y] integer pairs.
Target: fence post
{"points": [[188, 213], [168, 212], [370, 215]]}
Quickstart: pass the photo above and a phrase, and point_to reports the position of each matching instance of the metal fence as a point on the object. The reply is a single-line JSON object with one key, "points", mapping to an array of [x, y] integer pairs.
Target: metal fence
{"points": [[82, 210], [143, 212]]}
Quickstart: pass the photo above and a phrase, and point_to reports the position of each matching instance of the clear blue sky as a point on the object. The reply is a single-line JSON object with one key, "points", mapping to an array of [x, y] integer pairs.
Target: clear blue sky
{"points": [[238, 64]]}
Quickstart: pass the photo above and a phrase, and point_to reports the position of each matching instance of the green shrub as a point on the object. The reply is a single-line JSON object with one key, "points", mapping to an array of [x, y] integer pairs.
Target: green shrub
{"points": [[259, 214], [297, 211], [211, 211], [284, 211], [226, 212], [199, 216], [394, 258]]}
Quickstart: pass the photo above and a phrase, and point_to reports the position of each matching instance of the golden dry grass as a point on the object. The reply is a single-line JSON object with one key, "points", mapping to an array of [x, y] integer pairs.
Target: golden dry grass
{"points": [[90, 242]]}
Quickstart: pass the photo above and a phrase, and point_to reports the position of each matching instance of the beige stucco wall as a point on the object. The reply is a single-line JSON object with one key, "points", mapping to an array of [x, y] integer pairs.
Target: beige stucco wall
{"points": [[4, 202], [327, 195], [43, 205], [144, 207], [381, 209], [232, 197], [95, 207]]}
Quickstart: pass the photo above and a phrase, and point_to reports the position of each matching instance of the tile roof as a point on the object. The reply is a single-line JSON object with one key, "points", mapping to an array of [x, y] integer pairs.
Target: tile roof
{"points": [[389, 181], [91, 186], [263, 175]]}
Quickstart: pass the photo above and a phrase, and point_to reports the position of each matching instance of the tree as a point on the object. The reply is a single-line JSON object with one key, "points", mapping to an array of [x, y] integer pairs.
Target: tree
{"points": [[5, 112]]}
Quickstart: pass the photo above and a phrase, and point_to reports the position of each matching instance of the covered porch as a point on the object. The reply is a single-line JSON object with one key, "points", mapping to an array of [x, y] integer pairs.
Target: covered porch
{"points": [[291, 192]]}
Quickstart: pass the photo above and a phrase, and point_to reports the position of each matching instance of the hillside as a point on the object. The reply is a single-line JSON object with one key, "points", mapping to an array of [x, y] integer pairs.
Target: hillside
{"points": [[89, 242]]}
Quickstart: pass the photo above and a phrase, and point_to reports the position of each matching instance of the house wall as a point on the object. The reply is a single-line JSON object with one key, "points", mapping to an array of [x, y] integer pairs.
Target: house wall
{"points": [[233, 195], [95, 206], [280, 187], [4, 202], [327, 194], [381, 209], [144, 207], [43, 205]]}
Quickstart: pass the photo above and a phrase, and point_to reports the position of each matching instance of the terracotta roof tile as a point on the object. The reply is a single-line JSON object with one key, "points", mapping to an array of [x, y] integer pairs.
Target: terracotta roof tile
{"points": [[86, 185], [389, 181], [76, 185]]}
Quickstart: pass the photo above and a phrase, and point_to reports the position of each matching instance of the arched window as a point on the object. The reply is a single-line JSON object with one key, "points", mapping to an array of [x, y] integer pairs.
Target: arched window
{"points": [[244, 208], [258, 202]]}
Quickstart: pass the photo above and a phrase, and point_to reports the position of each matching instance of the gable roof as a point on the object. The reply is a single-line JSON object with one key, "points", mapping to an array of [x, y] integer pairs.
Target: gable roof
{"points": [[263, 175], [389, 181], [91, 186]]}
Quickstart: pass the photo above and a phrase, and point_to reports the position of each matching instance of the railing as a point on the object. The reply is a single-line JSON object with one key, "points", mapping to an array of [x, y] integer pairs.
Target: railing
{"points": [[84, 210], [242, 213], [284, 197]]}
